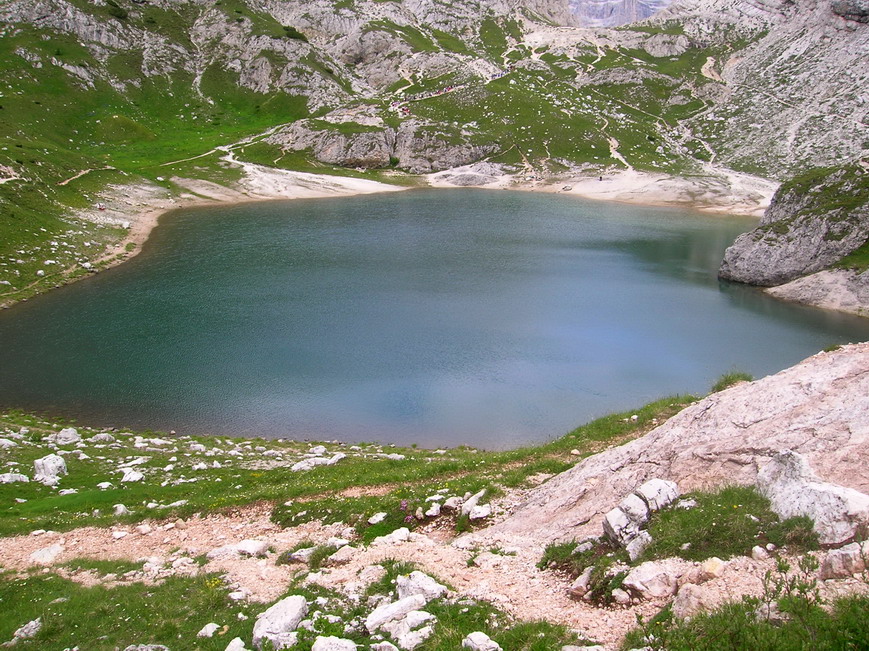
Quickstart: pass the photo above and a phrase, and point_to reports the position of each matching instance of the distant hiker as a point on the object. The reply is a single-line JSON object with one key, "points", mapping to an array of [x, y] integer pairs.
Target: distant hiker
{"points": [[600, 178]]}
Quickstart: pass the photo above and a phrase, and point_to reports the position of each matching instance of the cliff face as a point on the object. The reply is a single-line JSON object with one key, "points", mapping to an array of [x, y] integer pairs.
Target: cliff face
{"points": [[812, 222], [611, 13]]}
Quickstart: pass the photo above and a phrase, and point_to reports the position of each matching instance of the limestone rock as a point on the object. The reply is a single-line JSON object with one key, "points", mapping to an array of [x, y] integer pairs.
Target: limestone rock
{"points": [[102, 437], [26, 632], [12, 477], [666, 45], [479, 641], [255, 548], [377, 518], [658, 493], [651, 579], [690, 600], [480, 512], [819, 408], [48, 469], [579, 586], [394, 610], [845, 562], [131, 476], [844, 290], [711, 568], [66, 436], [471, 502], [793, 489], [410, 631], [333, 644], [309, 464], [342, 556], [637, 545], [804, 230], [277, 624], [419, 583], [236, 644], [856, 10], [6, 444]]}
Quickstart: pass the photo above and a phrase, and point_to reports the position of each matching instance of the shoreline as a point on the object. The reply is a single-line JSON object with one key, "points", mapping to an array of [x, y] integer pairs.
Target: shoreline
{"points": [[138, 207]]}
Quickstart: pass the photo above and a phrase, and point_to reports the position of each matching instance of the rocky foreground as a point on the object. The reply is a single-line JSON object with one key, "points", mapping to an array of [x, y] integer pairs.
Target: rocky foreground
{"points": [[801, 436]]}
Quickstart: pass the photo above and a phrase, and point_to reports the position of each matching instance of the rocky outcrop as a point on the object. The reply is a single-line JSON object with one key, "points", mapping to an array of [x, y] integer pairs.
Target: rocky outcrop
{"points": [[856, 10], [819, 408], [609, 13], [838, 513], [834, 289], [812, 222]]}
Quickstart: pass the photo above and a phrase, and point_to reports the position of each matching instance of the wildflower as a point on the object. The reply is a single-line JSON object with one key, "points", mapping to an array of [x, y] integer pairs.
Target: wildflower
{"points": [[403, 506]]}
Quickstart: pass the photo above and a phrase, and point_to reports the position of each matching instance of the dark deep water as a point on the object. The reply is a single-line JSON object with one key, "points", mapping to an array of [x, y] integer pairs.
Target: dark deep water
{"points": [[437, 317]]}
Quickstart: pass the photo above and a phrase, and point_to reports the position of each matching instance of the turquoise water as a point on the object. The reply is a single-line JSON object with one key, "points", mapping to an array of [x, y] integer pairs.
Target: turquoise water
{"points": [[437, 317]]}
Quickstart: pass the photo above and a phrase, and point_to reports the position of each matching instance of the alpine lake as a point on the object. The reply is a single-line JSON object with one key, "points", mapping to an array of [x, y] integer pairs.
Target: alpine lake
{"points": [[431, 317]]}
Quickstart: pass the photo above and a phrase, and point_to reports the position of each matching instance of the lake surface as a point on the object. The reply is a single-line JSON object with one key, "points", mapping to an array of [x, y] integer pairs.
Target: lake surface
{"points": [[437, 317]]}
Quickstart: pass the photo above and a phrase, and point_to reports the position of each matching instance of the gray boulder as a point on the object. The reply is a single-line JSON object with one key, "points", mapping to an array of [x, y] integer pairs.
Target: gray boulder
{"points": [[277, 624], [792, 488], [856, 10]]}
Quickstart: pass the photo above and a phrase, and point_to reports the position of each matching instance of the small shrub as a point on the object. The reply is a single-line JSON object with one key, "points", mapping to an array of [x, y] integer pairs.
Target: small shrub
{"points": [[115, 10], [292, 32]]}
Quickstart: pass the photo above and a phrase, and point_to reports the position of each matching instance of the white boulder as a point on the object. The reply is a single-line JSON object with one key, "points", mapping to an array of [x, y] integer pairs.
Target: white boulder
{"points": [[277, 624], [5, 444], [471, 502], [255, 548], [333, 644], [48, 469], [658, 493], [792, 488], [394, 610], [651, 579], [66, 436], [12, 477], [131, 475], [377, 518], [208, 630], [845, 562], [46, 555], [419, 583], [690, 600], [236, 644], [26, 632], [479, 641]]}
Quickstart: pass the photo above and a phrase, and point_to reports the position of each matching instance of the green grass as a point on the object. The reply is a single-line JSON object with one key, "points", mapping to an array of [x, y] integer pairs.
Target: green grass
{"points": [[101, 618], [729, 379], [316, 494], [735, 626], [725, 523]]}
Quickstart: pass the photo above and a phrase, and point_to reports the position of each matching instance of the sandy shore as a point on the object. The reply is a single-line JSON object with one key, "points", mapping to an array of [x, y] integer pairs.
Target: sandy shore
{"points": [[721, 191]]}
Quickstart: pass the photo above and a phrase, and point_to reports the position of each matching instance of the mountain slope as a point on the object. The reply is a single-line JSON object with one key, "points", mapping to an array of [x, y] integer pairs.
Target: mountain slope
{"points": [[115, 93]]}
